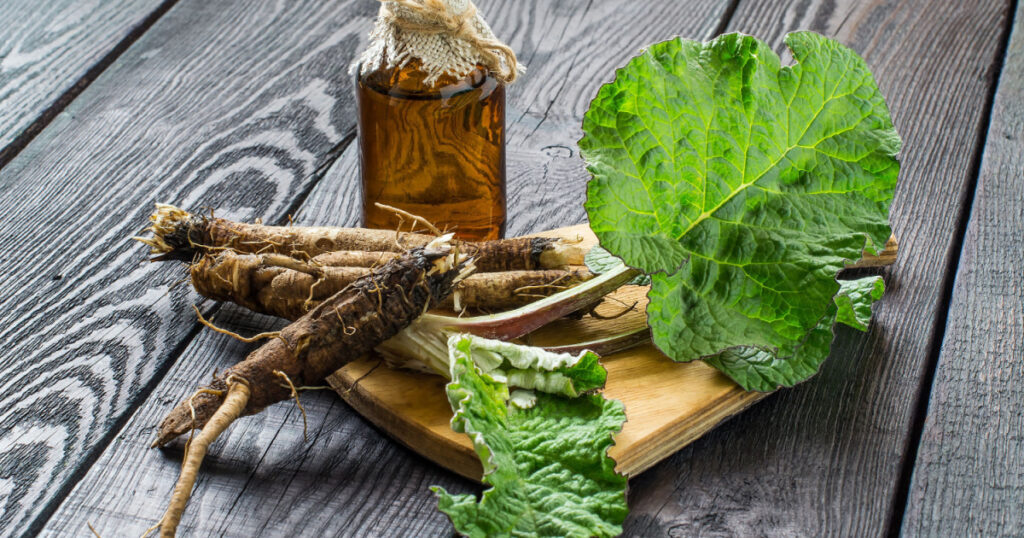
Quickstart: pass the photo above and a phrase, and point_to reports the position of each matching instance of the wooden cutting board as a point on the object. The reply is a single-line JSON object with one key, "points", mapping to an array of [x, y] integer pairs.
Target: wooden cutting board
{"points": [[668, 404]]}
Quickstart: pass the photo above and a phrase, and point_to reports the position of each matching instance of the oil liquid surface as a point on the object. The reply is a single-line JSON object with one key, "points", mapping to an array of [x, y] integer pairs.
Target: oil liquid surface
{"points": [[436, 151]]}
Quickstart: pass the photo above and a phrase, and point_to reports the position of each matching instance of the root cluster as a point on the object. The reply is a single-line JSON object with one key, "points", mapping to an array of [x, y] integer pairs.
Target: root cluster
{"points": [[345, 290]]}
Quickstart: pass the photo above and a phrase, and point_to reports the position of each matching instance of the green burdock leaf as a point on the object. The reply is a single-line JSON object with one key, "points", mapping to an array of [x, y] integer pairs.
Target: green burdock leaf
{"points": [[759, 370], [545, 457], [741, 186], [855, 298]]}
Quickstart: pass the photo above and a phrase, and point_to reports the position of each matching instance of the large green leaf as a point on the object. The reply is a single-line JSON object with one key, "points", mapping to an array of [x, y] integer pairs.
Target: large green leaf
{"points": [[742, 186], [546, 460]]}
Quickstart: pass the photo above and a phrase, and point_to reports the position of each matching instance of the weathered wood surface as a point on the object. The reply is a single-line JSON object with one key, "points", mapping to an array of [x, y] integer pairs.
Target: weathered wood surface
{"points": [[349, 479], [50, 50], [969, 473], [231, 105], [826, 458], [237, 108]]}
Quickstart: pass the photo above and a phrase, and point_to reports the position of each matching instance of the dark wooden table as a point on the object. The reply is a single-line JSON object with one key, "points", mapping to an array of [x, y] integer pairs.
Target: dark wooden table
{"points": [[107, 107]]}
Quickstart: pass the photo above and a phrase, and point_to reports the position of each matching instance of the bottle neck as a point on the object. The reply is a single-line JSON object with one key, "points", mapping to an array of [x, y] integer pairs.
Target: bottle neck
{"points": [[408, 82]]}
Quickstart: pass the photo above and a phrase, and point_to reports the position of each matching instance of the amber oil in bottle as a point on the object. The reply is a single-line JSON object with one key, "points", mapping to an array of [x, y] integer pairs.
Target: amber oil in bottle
{"points": [[435, 150]]}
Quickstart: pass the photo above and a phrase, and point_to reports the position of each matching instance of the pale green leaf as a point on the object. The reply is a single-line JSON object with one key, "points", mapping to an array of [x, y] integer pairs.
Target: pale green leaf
{"points": [[529, 367], [547, 463], [600, 261]]}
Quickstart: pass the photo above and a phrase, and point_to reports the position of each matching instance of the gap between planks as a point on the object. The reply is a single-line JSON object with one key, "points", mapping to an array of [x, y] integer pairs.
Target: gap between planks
{"points": [[46, 116]]}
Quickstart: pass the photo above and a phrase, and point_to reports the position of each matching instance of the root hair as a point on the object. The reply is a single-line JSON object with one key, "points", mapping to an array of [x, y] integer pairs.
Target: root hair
{"points": [[295, 394], [246, 339], [415, 218]]}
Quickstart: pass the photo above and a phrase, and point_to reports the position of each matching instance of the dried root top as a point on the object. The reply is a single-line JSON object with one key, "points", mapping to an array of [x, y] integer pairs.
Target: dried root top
{"points": [[169, 226]]}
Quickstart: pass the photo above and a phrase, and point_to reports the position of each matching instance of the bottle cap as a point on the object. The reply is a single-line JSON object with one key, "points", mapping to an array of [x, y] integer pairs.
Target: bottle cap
{"points": [[449, 37]]}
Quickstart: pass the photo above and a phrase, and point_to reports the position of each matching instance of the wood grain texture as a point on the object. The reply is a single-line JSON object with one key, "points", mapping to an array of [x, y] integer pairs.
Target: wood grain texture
{"points": [[378, 488], [824, 458], [49, 48], [230, 105], [260, 477], [969, 474]]}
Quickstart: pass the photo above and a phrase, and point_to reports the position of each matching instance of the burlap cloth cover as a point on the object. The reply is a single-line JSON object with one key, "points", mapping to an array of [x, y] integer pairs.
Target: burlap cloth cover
{"points": [[447, 36]]}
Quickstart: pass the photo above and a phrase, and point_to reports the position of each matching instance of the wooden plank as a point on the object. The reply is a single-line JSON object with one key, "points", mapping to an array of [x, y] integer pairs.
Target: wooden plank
{"points": [[350, 480], [825, 458], [230, 105], [50, 50], [969, 472]]}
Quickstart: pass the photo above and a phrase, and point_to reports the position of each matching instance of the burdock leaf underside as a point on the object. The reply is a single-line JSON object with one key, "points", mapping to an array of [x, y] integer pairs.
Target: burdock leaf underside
{"points": [[547, 464], [741, 185]]}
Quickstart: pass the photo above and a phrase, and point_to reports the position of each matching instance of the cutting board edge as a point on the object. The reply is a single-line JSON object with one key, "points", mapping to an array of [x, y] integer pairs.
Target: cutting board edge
{"points": [[462, 460], [676, 436]]}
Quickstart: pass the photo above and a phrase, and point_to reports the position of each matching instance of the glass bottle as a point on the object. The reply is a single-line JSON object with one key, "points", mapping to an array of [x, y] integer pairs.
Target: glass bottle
{"points": [[435, 150]]}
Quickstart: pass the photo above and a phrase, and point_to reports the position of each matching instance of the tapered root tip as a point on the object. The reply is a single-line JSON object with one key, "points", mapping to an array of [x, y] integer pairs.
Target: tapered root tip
{"points": [[171, 428], [165, 437], [201, 405], [224, 415]]}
